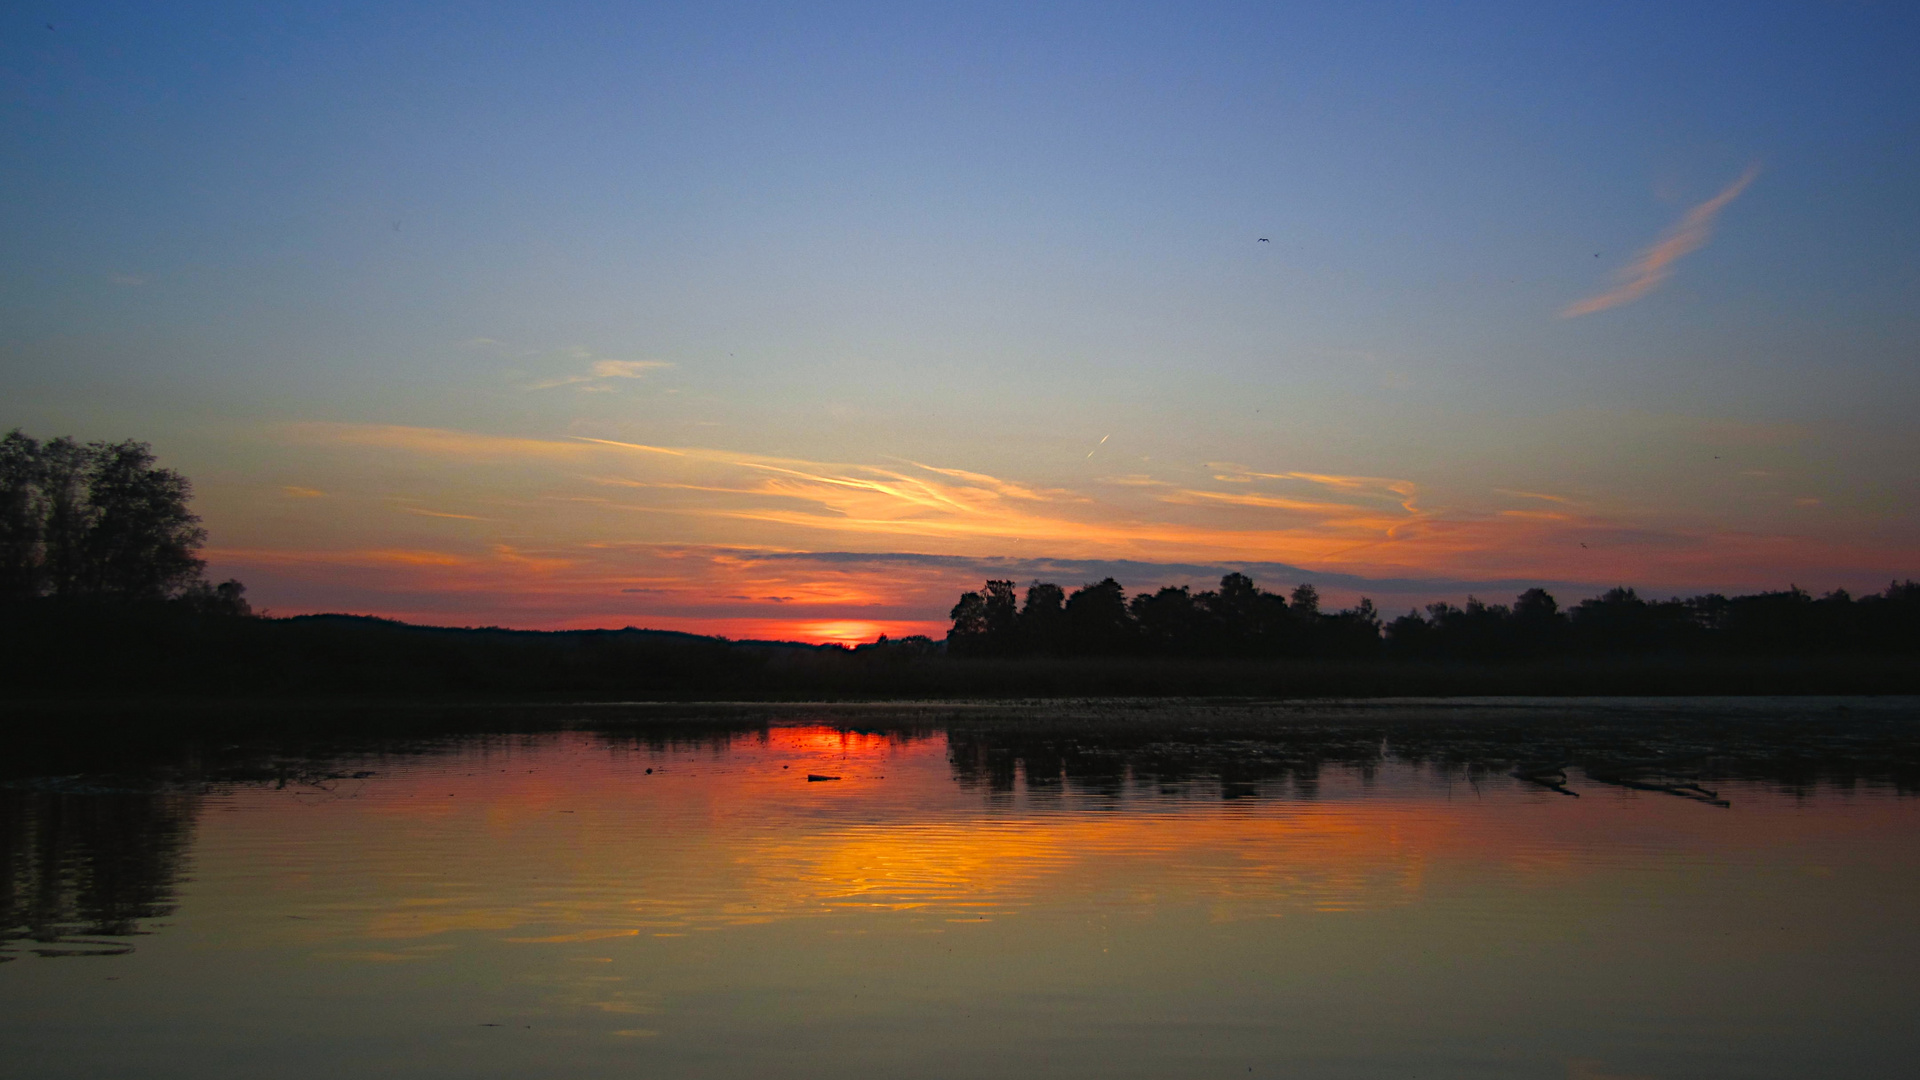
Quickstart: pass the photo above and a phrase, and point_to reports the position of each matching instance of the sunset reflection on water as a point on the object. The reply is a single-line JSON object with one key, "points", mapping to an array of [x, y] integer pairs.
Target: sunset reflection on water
{"points": [[695, 905]]}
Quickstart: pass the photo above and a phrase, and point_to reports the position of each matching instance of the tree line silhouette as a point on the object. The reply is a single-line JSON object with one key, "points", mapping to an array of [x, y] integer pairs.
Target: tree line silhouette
{"points": [[103, 593], [1241, 619], [100, 523]]}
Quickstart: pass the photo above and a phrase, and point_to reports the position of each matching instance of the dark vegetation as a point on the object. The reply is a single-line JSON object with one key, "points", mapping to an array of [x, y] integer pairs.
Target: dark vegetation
{"points": [[1242, 620], [80, 652], [103, 598], [98, 524]]}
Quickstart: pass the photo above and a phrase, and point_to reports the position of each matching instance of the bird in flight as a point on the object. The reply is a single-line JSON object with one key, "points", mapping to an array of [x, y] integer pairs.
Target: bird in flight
{"points": [[1264, 240]]}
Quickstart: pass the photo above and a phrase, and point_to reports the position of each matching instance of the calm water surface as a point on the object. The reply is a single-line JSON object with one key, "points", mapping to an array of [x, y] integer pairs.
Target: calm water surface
{"points": [[956, 903]]}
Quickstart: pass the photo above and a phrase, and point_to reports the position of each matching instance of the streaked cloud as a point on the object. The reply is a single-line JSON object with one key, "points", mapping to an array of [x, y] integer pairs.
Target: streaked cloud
{"points": [[1655, 264], [626, 369], [1533, 495], [1334, 522], [1227, 472], [600, 372], [582, 531], [578, 531], [423, 512], [436, 442], [1264, 502]]}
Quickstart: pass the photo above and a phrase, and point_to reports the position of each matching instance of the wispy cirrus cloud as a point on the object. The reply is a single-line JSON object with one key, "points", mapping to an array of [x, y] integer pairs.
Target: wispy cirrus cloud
{"points": [[1317, 508], [1655, 264], [1533, 495], [724, 493], [626, 369], [574, 531], [1349, 523], [1229, 473], [433, 442], [600, 373], [423, 512]]}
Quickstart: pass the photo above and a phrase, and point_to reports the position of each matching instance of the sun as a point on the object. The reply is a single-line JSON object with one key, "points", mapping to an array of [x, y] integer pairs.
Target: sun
{"points": [[839, 631]]}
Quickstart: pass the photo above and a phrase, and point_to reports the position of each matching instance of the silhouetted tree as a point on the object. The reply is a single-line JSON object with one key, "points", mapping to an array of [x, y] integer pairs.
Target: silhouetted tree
{"points": [[99, 521], [1482, 630], [1410, 636], [1003, 618], [969, 634], [1168, 620], [1783, 622], [1890, 621], [985, 623], [23, 518], [1097, 619], [1619, 621], [1537, 627], [63, 533], [1536, 605], [1352, 632], [1043, 619], [141, 539], [1244, 620], [227, 598], [1306, 599]]}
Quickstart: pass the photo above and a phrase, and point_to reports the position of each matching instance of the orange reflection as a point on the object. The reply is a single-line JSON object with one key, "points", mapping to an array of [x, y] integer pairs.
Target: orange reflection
{"points": [[572, 841], [693, 884]]}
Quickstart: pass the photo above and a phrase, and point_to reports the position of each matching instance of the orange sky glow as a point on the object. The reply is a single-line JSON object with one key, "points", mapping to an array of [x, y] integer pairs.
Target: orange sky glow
{"points": [[443, 526]]}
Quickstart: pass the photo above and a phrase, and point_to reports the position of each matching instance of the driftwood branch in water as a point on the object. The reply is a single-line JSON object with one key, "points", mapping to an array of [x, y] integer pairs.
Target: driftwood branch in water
{"points": [[1545, 776], [1686, 790]]}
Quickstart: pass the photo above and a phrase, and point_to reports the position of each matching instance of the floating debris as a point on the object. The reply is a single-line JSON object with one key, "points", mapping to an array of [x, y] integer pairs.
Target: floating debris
{"points": [[1551, 777]]}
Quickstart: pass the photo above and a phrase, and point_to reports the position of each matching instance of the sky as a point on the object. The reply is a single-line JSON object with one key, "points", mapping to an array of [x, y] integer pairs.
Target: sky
{"points": [[795, 320]]}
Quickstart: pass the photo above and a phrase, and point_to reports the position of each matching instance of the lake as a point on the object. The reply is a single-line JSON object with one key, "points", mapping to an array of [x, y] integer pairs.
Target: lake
{"points": [[1588, 890]]}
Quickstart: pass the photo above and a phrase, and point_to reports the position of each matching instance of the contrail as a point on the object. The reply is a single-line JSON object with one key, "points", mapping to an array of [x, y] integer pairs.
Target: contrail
{"points": [[1655, 264]]}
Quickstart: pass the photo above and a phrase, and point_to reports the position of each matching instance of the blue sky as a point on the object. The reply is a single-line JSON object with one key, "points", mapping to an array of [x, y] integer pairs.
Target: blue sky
{"points": [[980, 238]]}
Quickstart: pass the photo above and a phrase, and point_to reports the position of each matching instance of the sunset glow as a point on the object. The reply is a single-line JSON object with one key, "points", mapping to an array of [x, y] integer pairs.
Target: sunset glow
{"points": [[441, 336], [955, 540], [537, 533], [894, 835]]}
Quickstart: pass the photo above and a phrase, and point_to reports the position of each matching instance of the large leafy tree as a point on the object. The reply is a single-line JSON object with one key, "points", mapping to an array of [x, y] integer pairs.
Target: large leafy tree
{"points": [[99, 521]]}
